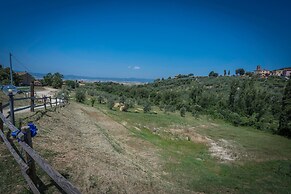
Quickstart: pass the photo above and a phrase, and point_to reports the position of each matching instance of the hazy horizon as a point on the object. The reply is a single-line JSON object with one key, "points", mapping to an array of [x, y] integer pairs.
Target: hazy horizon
{"points": [[144, 39]]}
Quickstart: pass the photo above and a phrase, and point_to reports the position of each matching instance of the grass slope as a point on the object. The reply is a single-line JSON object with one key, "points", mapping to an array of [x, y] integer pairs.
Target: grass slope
{"points": [[264, 167]]}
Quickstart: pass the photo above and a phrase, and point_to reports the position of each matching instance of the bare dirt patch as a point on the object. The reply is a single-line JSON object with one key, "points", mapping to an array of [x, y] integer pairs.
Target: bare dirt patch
{"points": [[223, 150]]}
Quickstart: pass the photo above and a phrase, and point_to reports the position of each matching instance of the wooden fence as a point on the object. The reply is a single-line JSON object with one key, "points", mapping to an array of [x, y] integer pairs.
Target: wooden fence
{"points": [[27, 163]]}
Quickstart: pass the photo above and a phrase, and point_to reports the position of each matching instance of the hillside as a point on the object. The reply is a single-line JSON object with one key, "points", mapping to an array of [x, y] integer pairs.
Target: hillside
{"points": [[109, 151], [137, 139], [240, 100]]}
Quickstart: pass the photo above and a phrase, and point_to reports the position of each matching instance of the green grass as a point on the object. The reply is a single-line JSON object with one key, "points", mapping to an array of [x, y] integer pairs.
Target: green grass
{"points": [[265, 169], [11, 180]]}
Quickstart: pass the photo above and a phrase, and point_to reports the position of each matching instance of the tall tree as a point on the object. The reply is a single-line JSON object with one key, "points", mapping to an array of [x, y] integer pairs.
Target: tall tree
{"points": [[48, 79], [285, 117], [240, 71], [228, 73], [57, 80], [224, 72], [213, 74]]}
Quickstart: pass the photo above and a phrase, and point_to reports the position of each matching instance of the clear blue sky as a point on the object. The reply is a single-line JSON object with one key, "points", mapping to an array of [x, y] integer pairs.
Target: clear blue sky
{"points": [[145, 39]]}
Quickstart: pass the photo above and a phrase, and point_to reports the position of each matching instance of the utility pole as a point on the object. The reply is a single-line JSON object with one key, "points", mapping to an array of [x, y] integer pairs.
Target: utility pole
{"points": [[11, 78]]}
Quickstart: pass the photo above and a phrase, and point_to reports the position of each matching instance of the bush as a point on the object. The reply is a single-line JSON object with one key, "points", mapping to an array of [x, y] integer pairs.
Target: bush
{"points": [[92, 100], [80, 96], [110, 103], [100, 99], [63, 94], [169, 108], [183, 112], [147, 107]]}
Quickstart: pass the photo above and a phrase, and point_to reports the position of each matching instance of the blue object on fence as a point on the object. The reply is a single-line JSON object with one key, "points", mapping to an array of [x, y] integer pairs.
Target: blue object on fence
{"points": [[15, 133], [33, 129]]}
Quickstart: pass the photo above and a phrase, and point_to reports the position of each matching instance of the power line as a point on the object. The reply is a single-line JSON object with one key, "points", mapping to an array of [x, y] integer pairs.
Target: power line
{"points": [[21, 63]]}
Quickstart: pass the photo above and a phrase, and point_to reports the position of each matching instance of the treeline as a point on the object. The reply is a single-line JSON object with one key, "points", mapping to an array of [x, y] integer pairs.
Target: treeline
{"points": [[241, 101], [5, 76]]}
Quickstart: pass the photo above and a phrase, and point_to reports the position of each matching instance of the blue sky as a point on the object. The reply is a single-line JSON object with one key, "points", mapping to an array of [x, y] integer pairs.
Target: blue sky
{"points": [[145, 39]]}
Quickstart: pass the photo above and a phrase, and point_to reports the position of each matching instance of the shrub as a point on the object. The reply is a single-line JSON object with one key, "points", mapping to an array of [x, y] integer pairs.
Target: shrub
{"points": [[110, 103], [80, 95], [183, 112], [92, 100], [147, 107]]}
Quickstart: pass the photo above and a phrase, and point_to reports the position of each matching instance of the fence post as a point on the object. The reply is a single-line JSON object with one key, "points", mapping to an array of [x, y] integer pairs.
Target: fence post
{"points": [[30, 162], [56, 101], [11, 102], [51, 102], [44, 102], [1, 122], [31, 97]]}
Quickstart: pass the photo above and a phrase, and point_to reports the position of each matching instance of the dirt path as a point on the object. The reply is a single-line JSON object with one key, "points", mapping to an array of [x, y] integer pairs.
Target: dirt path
{"points": [[100, 154], [46, 92]]}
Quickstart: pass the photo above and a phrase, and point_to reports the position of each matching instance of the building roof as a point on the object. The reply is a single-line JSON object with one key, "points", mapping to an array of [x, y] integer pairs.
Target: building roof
{"points": [[285, 68], [22, 73]]}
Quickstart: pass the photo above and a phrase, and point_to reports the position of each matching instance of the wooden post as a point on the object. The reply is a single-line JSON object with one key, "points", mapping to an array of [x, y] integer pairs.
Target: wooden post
{"points": [[11, 102], [1, 122], [51, 102], [31, 97], [20, 123], [44, 102], [30, 162], [56, 101]]}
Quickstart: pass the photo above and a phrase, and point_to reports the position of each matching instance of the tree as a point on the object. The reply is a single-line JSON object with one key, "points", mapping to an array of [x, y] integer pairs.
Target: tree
{"points": [[71, 84], [195, 94], [213, 74], [285, 117], [122, 99], [147, 107], [100, 99], [224, 72], [57, 80], [240, 71], [110, 103], [92, 100], [80, 95], [5, 76], [183, 112], [233, 90], [48, 79], [250, 74], [228, 73]]}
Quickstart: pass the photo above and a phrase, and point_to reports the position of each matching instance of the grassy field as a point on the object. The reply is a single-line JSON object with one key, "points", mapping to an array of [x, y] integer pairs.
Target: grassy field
{"points": [[262, 165], [261, 162]]}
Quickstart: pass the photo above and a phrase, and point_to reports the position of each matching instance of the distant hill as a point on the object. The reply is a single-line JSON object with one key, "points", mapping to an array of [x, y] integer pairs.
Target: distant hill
{"points": [[94, 79]]}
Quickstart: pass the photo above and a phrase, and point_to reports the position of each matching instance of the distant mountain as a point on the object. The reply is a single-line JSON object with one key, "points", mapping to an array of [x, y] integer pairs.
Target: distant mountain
{"points": [[94, 79]]}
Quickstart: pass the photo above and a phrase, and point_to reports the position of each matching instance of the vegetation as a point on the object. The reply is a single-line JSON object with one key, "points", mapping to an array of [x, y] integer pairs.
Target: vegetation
{"points": [[285, 117], [260, 167], [93, 100], [55, 80], [213, 74], [147, 107], [240, 71], [80, 95], [243, 101], [71, 84], [183, 112], [5, 76]]}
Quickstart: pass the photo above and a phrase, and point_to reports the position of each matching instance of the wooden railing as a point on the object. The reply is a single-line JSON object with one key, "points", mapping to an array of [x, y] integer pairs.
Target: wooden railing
{"points": [[27, 164]]}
